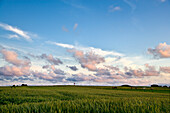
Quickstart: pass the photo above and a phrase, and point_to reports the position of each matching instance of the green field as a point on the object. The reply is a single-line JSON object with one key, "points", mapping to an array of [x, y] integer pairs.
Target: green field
{"points": [[88, 99]]}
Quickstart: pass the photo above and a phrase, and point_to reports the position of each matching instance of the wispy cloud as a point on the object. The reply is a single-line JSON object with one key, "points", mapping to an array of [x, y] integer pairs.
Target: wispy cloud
{"points": [[65, 29], [163, 0], [61, 45], [13, 36], [18, 31], [75, 26], [10, 36], [133, 6], [113, 8], [95, 50], [69, 2]]}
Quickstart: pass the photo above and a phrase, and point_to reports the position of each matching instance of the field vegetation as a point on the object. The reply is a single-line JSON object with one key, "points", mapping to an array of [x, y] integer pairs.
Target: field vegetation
{"points": [[80, 99]]}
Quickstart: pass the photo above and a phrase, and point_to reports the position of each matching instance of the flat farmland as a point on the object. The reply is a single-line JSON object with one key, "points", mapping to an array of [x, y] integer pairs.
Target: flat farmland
{"points": [[84, 99]]}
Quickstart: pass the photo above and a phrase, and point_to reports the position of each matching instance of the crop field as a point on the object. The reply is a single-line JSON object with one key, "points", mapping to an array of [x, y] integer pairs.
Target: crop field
{"points": [[83, 99]]}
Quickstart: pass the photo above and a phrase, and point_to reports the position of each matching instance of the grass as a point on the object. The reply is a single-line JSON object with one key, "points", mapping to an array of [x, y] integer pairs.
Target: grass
{"points": [[83, 99]]}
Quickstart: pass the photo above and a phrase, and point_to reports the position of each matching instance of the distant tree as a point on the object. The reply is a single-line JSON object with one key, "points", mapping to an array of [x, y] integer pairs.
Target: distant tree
{"points": [[24, 85], [165, 86], [154, 85], [13, 86], [126, 86]]}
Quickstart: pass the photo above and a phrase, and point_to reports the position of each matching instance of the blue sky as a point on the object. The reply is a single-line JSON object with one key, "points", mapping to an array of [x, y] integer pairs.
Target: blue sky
{"points": [[118, 32]]}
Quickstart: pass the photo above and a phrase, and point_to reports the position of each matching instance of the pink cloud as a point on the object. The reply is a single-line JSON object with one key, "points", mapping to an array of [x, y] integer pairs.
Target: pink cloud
{"points": [[87, 60], [14, 71], [149, 71], [12, 57], [165, 69], [161, 51]]}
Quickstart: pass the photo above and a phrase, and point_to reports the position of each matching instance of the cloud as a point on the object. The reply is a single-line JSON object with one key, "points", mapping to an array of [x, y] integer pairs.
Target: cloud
{"points": [[62, 45], [73, 4], [65, 29], [10, 36], [49, 76], [22, 79], [95, 50], [101, 71], [112, 8], [79, 77], [51, 59], [55, 70], [104, 80], [103, 52], [20, 67], [165, 69], [46, 67], [59, 72], [112, 68], [161, 51], [12, 57], [20, 32], [75, 26], [14, 71], [133, 6], [149, 71], [87, 60], [109, 72], [74, 68], [133, 81], [163, 0]]}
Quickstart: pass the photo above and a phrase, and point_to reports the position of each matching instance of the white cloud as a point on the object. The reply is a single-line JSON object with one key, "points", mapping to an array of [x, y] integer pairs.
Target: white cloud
{"points": [[13, 36], [87, 49], [112, 8], [10, 36], [61, 45], [20, 32]]}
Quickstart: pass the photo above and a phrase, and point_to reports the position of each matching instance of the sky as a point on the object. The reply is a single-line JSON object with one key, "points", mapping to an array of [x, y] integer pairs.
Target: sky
{"points": [[86, 42]]}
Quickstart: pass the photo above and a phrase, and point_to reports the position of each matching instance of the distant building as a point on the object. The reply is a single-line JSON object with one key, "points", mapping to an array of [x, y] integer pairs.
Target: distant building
{"points": [[154, 85], [24, 85]]}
